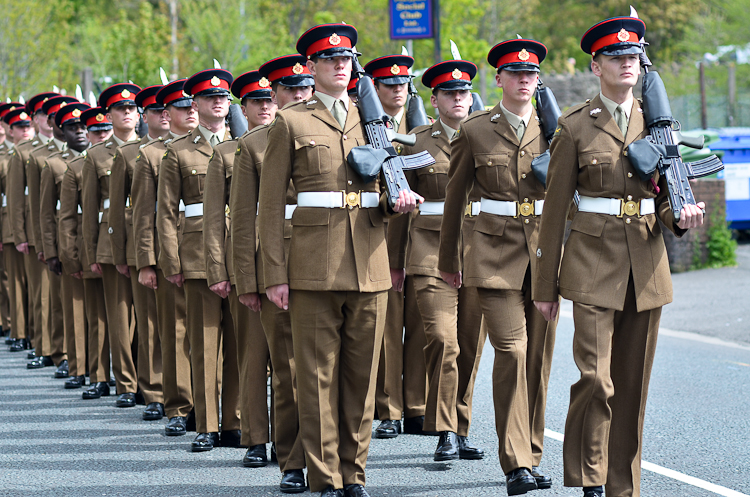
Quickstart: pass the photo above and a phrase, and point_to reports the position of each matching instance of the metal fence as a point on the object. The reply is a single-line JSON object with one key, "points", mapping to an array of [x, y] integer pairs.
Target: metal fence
{"points": [[687, 110]]}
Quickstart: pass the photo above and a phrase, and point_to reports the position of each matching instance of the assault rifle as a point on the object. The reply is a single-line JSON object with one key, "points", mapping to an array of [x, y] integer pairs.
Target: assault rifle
{"points": [[379, 155], [660, 150], [415, 113]]}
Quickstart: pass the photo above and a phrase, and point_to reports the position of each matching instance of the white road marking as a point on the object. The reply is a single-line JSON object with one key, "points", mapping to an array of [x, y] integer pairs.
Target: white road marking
{"points": [[669, 473]]}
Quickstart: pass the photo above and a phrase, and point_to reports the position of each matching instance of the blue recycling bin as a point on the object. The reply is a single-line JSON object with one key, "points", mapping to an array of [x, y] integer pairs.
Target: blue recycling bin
{"points": [[735, 144]]}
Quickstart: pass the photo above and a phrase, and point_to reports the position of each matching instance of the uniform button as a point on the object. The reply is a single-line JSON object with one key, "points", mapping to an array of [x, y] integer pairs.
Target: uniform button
{"points": [[489, 162], [432, 169], [525, 200], [312, 142], [526, 221], [625, 153], [110, 231], [349, 182], [193, 172], [523, 176], [627, 221], [630, 175], [109, 173], [630, 197], [344, 137], [594, 161], [523, 152]]}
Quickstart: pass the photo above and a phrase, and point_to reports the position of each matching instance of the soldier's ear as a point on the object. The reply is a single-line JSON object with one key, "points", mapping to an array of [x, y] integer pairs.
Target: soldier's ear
{"points": [[311, 67], [596, 68]]}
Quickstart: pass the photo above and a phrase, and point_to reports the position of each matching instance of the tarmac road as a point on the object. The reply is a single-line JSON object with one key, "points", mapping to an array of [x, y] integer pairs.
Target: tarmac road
{"points": [[697, 424]]}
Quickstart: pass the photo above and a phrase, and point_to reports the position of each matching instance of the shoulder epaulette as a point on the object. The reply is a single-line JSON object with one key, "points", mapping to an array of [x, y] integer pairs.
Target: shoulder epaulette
{"points": [[477, 114], [576, 108]]}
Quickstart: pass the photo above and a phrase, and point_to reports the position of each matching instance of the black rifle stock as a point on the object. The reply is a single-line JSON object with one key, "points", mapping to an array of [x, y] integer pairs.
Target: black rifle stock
{"points": [[415, 113], [236, 121]]}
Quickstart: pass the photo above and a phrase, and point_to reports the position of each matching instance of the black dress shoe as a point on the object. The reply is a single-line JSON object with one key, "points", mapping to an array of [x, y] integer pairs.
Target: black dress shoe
{"points": [[519, 481], [75, 382], [355, 490], [9, 340], [255, 457], [293, 482], [332, 492], [31, 354], [413, 426], [175, 426], [593, 491], [125, 400], [19, 344], [388, 429], [153, 412], [205, 442], [62, 369], [467, 450], [232, 438], [190, 421], [99, 389], [447, 447], [273, 453], [542, 481], [40, 362]]}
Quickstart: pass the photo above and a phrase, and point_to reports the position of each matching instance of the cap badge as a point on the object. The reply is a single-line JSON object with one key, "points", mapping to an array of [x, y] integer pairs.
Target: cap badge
{"points": [[185, 94], [45, 99], [297, 68], [263, 83], [334, 39], [23, 116], [456, 73], [215, 81], [99, 117], [12, 107], [523, 55], [623, 35], [125, 93], [76, 113], [63, 104], [395, 69]]}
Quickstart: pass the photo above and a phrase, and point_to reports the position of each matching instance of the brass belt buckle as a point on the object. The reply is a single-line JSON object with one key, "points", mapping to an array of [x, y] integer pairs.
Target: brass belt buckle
{"points": [[525, 209], [630, 208], [467, 211], [351, 199], [226, 211]]}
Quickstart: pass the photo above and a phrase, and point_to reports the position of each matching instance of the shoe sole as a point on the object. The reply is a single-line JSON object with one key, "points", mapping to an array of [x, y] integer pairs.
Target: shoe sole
{"points": [[446, 458], [61, 376], [175, 434], [295, 490], [71, 387], [385, 435], [201, 449], [152, 417], [543, 486], [255, 464], [522, 490], [471, 457], [124, 406]]}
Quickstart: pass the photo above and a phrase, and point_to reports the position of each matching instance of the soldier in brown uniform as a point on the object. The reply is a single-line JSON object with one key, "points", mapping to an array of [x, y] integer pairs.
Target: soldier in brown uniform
{"points": [[75, 262], [402, 376], [248, 342], [20, 130], [119, 102], [492, 155], [4, 291], [338, 263], [452, 318], [291, 81], [123, 253], [170, 299], [209, 320], [615, 268], [74, 318]]}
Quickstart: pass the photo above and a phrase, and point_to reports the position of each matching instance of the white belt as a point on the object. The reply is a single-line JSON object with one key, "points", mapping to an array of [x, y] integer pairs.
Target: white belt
{"points": [[181, 207], [80, 211], [5, 201], [438, 208], [105, 204], [338, 200], [100, 216], [617, 206], [26, 191], [194, 210], [288, 210], [515, 209], [57, 207]]}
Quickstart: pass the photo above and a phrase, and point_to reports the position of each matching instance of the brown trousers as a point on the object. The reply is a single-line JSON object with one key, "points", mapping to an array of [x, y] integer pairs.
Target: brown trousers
{"points": [[17, 291], [96, 323], [149, 347], [118, 297], [175, 347], [523, 343], [213, 358], [337, 338], [4, 297], [52, 313], [402, 374], [455, 338], [74, 323], [252, 357], [38, 284], [278, 329], [614, 350]]}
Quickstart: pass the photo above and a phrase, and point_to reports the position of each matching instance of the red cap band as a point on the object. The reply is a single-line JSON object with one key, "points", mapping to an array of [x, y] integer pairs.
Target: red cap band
{"points": [[97, 119], [325, 44], [22, 117], [119, 97], [255, 86], [206, 85], [173, 96], [612, 39], [288, 71], [149, 101], [509, 58], [388, 72], [448, 77]]}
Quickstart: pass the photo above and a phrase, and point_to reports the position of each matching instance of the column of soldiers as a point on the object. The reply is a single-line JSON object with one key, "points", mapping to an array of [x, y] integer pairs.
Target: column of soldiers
{"points": [[202, 263]]}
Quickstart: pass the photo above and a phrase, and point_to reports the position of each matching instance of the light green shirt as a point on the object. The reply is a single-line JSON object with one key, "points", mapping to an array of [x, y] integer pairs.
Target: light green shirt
{"points": [[611, 105], [514, 120], [450, 132], [328, 100], [209, 135], [61, 145]]}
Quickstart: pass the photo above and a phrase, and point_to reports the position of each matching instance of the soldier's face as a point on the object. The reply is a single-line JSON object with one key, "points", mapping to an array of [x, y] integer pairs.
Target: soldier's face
{"points": [[259, 111], [43, 124], [99, 136], [124, 117], [287, 94], [393, 97], [452, 105], [617, 71], [75, 136], [156, 121], [518, 86], [3, 130], [181, 119], [331, 75], [21, 132], [211, 107]]}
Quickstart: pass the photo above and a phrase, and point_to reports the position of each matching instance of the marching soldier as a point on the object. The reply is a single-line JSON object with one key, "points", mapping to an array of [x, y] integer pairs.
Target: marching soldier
{"points": [[248, 342], [615, 268], [119, 102], [338, 263], [170, 299], [76, 263], [69, 122], [492, 158], [451, 316], [290, 81], [402, 375], [123, 252], [209, 320]]}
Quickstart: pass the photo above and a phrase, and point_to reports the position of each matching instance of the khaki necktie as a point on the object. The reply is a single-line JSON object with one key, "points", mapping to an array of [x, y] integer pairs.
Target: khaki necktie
{"points": [[520, 130], [339, 112], [621, 120], [214, 140]]}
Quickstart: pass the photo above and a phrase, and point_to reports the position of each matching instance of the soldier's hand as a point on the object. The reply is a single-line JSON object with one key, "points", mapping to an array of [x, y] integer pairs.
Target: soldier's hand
{"points": [[397, 279], [407, 202], [54, 265], [147, 277], [123, 269], [23, 248], [548, 309], [78, 275], [251, 300], [454, 280], [221, 289], [279, 295], [691, 216], [96, 268], [40, 256], [177, 279]]}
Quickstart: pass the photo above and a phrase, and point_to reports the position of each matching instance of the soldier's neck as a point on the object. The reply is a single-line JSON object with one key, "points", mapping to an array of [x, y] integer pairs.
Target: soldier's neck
{"points": [[45, 135], [125, 135], [179, 131], [618, 94], [215, 127], [155, 136], [518, 108]]}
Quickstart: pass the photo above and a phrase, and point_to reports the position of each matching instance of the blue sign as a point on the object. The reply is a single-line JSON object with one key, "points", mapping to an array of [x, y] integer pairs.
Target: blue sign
{"points": [[411, 19]]}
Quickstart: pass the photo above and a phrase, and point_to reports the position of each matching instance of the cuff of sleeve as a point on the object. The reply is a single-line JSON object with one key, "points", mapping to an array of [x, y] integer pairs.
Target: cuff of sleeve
{"points": [[144, 261], [170, 267], [275, 275], [450, 264], [544, 291], [216, 273], [397, 260], [246, 283]]}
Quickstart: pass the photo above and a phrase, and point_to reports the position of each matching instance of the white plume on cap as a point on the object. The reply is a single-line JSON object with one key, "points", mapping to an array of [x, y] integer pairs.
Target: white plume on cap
{"points": [[216, 64], [163, 76], [21, 99], [79, 93], [454, 51], [92, 99]]}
